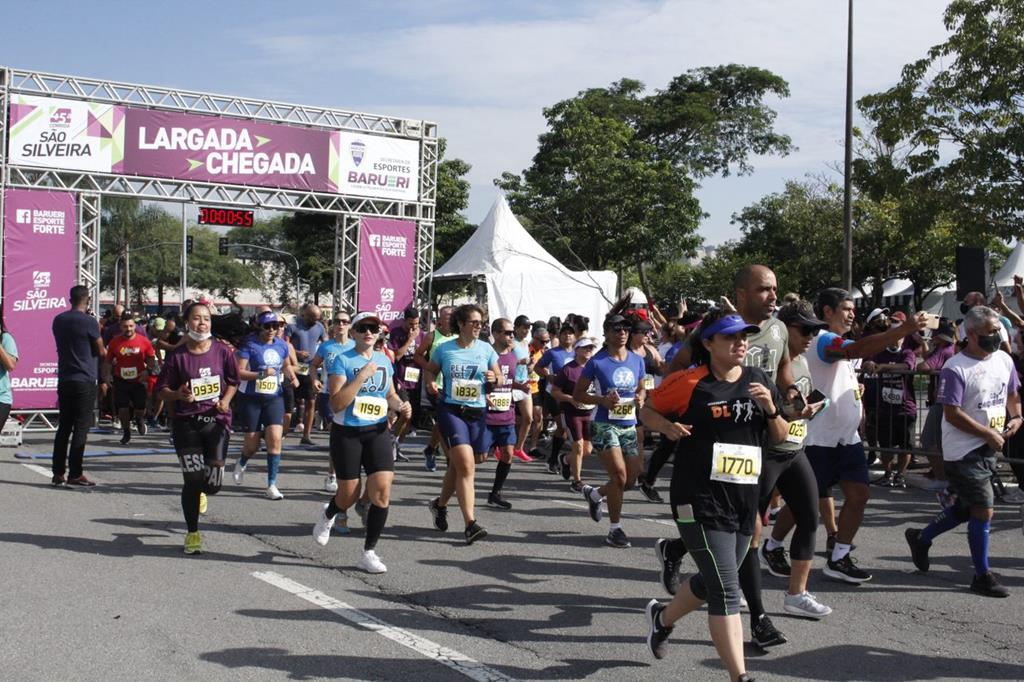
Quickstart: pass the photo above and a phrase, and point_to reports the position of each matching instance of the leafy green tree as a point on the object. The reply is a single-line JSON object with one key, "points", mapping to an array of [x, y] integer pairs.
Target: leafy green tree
{"points": [[612, 184], [451, 229], [962, 104]]}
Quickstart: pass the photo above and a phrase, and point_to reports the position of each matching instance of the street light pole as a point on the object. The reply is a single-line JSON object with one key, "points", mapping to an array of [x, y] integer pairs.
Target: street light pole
{"points": [[184, 255], [848, 161]]}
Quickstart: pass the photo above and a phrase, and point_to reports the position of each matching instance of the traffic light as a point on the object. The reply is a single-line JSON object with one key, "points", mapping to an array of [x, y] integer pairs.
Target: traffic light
{"points": [[189, 243], [222, 246]]}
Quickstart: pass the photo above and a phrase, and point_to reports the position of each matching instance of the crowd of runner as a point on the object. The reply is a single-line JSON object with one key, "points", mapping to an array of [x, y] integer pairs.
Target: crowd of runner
{"points": [[765, 406]]}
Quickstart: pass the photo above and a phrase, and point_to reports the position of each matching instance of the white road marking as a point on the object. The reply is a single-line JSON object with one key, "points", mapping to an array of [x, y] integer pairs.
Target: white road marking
{"points": [[38, 469], [458, 662], [580, 505]]}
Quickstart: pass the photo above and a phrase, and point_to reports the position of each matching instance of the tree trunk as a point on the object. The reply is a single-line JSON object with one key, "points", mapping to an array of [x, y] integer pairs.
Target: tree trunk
{"points": [[159, 298]]}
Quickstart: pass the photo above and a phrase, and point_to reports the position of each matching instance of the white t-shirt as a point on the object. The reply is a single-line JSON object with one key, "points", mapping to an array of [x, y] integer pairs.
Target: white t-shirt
{"points": [[839, 423], [979, 388]]}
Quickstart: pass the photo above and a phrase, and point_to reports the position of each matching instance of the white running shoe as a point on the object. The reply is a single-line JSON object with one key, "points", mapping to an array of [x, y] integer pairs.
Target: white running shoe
{"points": [[331, 484], [805, 605], [273, 493], [322, 529], [371, 563], [238, 473]]}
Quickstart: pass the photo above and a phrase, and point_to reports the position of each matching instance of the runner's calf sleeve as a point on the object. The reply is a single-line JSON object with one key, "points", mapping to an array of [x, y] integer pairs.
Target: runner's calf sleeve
{"points": [[750, 583], [944, 521], [500, 474], [658, 459], [332, 509], [273, 465], [190, 504], [977, 539], [556, 447], [376, 517]]}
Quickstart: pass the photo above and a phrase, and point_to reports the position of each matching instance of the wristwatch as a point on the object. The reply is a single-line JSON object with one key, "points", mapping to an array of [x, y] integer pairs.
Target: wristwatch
{"points": [[773, 415]]}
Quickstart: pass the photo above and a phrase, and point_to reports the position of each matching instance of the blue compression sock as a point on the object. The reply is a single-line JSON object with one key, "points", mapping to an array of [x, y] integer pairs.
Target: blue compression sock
{"points": [[977, 538], [242, 461], [946, 520], [273, 464]]}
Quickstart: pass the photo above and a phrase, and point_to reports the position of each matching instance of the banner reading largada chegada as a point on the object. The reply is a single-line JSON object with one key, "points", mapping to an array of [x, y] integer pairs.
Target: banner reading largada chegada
{"points": [[59, 133]]}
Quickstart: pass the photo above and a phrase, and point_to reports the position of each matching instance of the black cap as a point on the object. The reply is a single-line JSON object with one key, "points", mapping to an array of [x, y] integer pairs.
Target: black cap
{"points": [[641, 326], [613, 320], [800, 314]]}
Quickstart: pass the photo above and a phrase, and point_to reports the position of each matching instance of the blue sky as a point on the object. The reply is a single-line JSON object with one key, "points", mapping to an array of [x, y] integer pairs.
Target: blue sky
{"points": [[484, 70]]}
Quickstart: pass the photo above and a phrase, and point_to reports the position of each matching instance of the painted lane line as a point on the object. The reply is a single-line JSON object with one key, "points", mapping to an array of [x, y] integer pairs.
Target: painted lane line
{"points": [[38, 469], [458, 662], [580, 505]]}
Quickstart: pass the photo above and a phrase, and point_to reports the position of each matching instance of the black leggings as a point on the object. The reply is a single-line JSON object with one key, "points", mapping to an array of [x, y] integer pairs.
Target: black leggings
{"points": [[201, 443], [792, 474], [659, 458], [718, 555]]}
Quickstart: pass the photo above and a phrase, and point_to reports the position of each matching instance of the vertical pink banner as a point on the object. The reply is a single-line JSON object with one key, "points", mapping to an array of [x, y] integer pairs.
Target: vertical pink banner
{"points": [[387, 267], [40, 241]]}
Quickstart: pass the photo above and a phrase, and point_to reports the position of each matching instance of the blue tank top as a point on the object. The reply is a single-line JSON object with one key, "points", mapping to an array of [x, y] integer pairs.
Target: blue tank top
{"points": [[370, 405], [261, 356]]}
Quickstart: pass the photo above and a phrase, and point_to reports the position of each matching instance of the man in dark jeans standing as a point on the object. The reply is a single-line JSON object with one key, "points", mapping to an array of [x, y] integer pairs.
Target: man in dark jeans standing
{"points": [[79, 346]]}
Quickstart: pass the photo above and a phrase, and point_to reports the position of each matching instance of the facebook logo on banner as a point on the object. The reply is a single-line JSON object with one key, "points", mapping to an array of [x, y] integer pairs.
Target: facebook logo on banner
{"points": [[23, 216], [375, 240]]}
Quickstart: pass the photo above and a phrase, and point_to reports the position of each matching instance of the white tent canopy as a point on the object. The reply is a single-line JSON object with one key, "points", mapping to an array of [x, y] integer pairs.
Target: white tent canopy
{"points": [[522, 277], [1014, 265]]}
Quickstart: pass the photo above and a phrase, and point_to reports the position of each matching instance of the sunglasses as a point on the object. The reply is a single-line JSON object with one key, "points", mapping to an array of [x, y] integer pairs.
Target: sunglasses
{"points": [[475, 323], [619, 328], [340, 321], [809, 331], [363, 328], [270, 325], [503, 331]]}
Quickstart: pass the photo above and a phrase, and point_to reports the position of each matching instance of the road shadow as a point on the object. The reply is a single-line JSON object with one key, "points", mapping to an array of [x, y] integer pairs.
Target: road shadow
{"points": [[871, 664]]}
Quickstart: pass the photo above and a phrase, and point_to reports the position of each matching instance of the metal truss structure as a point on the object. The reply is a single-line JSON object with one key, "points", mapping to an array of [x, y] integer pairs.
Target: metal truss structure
{"points": [[92, 186]]}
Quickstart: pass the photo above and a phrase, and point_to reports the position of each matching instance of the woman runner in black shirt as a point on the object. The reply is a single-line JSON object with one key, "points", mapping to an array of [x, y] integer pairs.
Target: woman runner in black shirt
{"points": [[728, 413]]}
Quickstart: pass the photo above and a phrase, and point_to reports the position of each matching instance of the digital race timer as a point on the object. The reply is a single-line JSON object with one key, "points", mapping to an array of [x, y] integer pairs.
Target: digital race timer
{"points": [[225, 216]]}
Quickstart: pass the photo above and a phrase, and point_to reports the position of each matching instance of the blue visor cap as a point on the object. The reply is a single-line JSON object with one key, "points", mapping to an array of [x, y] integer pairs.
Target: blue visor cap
{"points": [[730, 324]]}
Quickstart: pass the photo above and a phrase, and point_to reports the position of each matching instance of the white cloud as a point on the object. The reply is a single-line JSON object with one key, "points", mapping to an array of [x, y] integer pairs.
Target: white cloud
{"points": [[485, 81]]}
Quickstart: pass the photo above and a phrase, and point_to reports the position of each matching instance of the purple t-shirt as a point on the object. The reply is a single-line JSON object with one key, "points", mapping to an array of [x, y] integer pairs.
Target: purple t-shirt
{"points": [[895, 392], [507, 362], [396, 340], [935, 362], [208, 374], [566, 383]]}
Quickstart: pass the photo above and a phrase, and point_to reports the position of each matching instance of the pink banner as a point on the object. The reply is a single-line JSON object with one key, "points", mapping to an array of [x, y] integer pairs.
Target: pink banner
{"points": [[213, 149], [40, 239], [387, 267]]}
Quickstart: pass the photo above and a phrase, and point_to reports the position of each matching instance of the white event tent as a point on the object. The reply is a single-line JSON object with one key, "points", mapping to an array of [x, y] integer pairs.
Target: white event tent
{"points": [[522, 278]]}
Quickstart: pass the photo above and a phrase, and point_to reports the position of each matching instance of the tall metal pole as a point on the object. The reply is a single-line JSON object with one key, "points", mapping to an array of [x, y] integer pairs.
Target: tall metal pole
{"points": [[184, 256], [848, 162], [127, 276]]}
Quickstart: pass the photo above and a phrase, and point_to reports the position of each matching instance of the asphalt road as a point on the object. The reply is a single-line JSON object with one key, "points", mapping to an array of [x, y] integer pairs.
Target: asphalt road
{"points": [[96, 586]]}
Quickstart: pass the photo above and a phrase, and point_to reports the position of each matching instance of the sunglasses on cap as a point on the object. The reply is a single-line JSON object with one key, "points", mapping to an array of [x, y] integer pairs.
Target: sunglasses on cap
{"points": [[363, 328]]}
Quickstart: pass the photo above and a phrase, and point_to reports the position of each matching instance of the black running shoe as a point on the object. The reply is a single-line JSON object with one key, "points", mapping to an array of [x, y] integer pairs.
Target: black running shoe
{"points": [[657, 635], [595, 507], [776, 561], [764, 634], [495, 500], [553, 466], [617, 538], [669, 568], [440, 515], [846, 570], [536, 453], [988, 586], [649, 492], [126, 436], [141, 426], [918, 549], [577, 487], [563, 464], [474, 532]]}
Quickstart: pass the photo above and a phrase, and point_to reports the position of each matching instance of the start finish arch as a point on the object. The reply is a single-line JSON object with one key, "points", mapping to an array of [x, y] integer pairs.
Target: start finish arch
{"points": [[168, 144]]}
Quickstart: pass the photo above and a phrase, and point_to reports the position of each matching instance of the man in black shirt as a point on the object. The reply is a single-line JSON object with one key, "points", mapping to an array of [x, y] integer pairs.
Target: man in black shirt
{"points": [[79, 346]]}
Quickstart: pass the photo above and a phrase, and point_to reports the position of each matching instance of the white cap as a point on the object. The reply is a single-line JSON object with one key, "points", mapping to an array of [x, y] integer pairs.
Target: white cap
{"points": [[585, 342], [875, 313], [365, 316]]}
